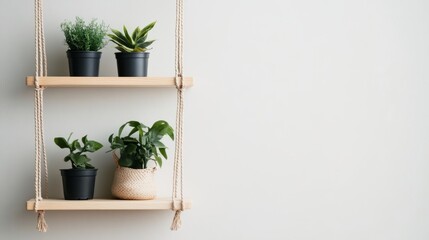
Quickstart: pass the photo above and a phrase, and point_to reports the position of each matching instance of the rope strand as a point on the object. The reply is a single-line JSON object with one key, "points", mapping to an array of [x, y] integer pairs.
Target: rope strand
{"points": [[177, 194], [40, 146]]}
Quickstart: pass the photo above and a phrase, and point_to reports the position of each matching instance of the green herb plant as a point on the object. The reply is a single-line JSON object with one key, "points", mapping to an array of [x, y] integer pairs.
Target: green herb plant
{"points": [[81, 36], [77, 157], [142, 144], [136, 42]]}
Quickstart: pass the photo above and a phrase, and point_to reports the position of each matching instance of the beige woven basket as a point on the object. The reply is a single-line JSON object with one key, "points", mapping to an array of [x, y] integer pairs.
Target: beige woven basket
{"points": [[134, 184]]}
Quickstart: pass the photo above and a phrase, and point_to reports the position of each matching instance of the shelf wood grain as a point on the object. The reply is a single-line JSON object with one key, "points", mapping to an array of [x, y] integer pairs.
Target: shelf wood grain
{"points": [[65, 81], [105, 204]]}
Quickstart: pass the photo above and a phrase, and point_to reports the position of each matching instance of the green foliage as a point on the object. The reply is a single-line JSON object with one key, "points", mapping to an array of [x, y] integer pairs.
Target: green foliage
{"points": [[76, 156], [84, 37], [141, 144], [136, 42]]}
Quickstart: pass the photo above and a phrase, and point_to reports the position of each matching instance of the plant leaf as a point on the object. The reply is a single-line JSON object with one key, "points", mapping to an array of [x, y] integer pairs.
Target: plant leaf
{"points": [[159, 144], [121, 129], [146, 44], [85, 140], [170, 132], [158, 161], [125, 162], [72, 145], [136, 123], [141, 40], [124, 49], [61, 142], [93, 146], [163, 152], [79, 161], [130, 149], [128, 139], [76, 145], [128, 36], [88, 165], [146, 29], [117, 35], [136, 31], [67, 158], [137, 128], [159, 129]]}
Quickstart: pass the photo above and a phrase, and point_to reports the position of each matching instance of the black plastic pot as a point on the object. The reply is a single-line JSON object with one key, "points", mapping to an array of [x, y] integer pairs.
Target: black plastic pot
{"points": [[84, 63], [78, 184], [132, 64]]}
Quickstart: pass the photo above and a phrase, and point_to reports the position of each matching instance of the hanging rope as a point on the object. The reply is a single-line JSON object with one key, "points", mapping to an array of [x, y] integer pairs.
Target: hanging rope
{"points": [[177, 196], [40, 150]]}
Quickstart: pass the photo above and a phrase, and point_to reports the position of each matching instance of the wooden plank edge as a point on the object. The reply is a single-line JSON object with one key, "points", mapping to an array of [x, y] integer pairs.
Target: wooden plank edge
{"points": [[104, 204], [64, 81]]}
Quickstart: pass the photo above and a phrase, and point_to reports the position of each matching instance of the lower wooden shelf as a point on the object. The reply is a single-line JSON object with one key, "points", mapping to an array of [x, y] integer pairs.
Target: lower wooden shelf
{"points": [[105, 204]]}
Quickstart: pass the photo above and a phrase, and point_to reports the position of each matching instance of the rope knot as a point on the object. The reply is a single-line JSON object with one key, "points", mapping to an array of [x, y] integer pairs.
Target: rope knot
{"points": [[179, 82], [37, 85]]}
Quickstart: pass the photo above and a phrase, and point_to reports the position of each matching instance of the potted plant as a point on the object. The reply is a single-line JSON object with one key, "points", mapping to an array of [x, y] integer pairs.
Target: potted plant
{"points": [[134, 178], [84, 42], [79, 181], [132, 60]]}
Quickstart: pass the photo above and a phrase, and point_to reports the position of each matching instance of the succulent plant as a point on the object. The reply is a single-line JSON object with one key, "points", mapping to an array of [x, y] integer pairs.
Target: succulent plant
{"points": [[136, 42]]}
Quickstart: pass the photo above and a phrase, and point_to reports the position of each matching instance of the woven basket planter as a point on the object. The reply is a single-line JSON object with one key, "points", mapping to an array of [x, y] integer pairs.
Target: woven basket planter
{"points": [[134, 184]]}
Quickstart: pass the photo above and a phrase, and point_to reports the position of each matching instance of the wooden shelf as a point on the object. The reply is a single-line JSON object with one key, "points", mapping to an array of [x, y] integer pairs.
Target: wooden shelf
{"points": [[105, 204], [108, 81]]}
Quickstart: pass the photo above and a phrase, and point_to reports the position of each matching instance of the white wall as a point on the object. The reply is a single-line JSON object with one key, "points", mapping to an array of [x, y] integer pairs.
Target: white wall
{"points": [[308, 119]]}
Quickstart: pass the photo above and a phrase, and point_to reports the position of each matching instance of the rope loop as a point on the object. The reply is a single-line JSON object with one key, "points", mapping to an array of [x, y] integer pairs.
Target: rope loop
{"points": [[36, 82]]}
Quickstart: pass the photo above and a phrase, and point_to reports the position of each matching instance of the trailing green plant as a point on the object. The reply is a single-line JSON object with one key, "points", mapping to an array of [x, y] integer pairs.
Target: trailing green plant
{"points": [[136, 42], [81, 36], [142, 144], [76, 155]]}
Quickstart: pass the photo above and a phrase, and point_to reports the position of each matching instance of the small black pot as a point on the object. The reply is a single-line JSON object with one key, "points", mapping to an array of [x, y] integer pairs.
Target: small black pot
{"points": [[84, 63], [78, 184], [132, 64]]}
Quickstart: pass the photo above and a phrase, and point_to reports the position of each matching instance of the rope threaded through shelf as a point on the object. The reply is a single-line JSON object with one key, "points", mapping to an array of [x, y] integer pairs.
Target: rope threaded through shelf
{"points": [[177, 194], [40, 150]]}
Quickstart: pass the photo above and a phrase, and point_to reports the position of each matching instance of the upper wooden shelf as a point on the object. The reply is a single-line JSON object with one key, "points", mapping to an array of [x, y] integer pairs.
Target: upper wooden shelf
{"points": [[105, 204], [108, 81]]}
